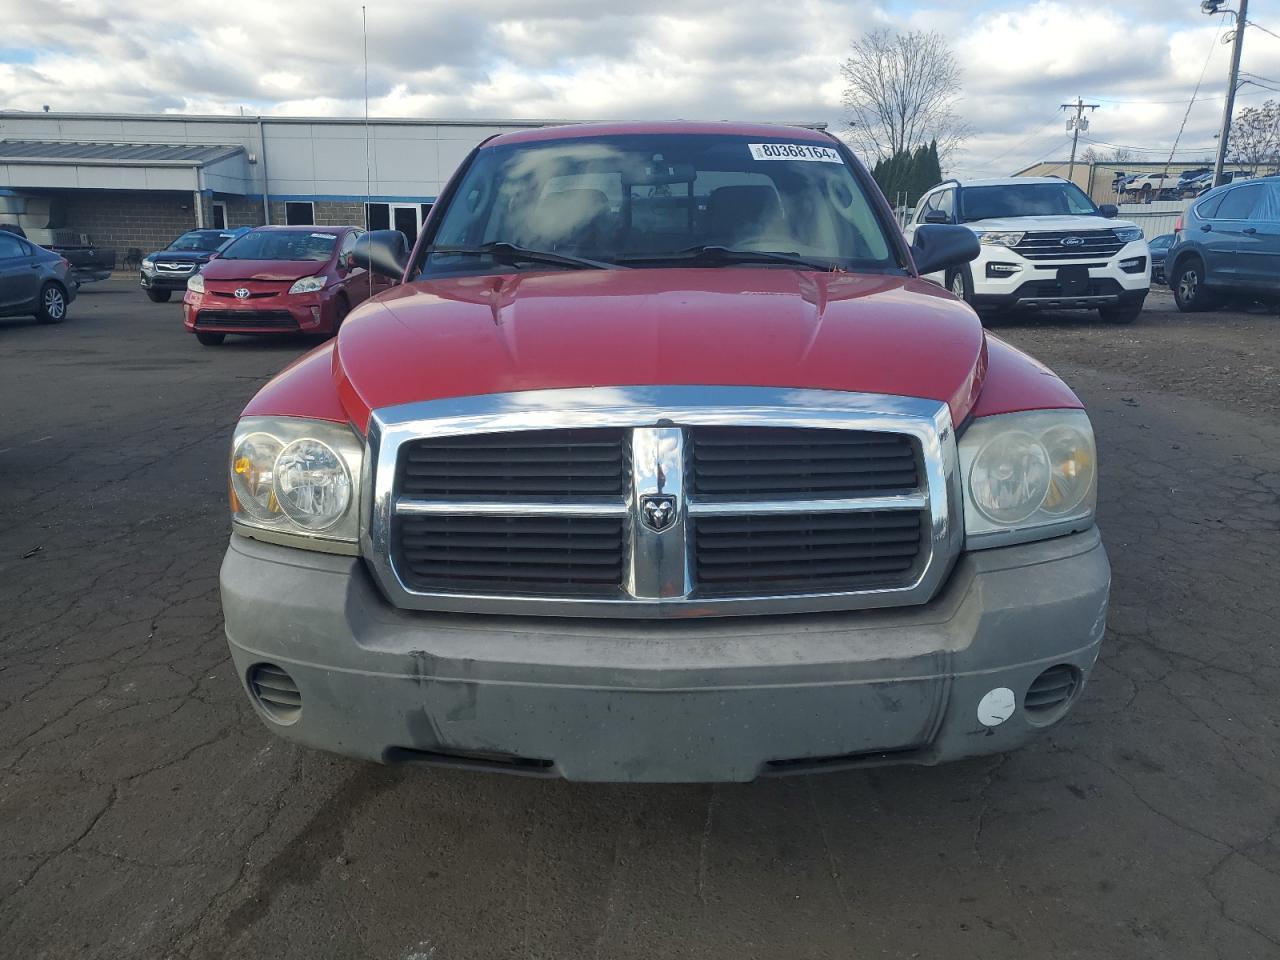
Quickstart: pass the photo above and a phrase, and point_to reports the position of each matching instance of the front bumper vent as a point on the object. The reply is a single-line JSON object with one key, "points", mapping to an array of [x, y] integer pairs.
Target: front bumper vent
{"points": [[1051, 691], [275, 692]]}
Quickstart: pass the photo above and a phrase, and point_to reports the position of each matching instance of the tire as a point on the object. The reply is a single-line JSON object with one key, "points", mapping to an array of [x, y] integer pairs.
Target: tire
{"points": [[159, 296], [1189, 291], [340, 314], [210, 339], [958, 283], [52, 307], [1126, 313]]}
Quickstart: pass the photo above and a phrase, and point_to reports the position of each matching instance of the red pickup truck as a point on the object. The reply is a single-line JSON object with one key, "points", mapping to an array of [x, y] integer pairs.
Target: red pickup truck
{"points": [[664, 464]]}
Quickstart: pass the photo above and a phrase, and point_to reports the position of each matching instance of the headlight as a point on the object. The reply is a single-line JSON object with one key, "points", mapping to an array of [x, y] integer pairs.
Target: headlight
{"points": [[148, 265], [195, 283], [296, 482], [1000, 239], [1028, 476], [309, 285], [1128, 234]]}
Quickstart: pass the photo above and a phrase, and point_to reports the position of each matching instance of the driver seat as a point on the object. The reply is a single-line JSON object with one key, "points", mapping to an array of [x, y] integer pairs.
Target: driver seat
{"points": [[740, 212]]}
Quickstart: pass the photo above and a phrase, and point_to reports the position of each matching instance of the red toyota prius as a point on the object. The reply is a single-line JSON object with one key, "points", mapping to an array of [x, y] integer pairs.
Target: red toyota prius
{"points": [[279, 280]]}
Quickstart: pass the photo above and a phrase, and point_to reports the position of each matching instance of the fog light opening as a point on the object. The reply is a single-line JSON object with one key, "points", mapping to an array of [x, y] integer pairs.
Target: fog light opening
{"points": [[1051, 693], [275, 693]]}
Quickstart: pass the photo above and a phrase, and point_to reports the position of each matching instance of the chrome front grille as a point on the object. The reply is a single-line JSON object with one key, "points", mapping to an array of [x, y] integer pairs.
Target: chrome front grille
{"points": [[182, 266], [661, 502], [1070, 245]]}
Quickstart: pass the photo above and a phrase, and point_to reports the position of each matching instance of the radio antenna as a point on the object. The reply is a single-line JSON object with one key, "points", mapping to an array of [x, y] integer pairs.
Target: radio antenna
{"points": [[368, 141]]}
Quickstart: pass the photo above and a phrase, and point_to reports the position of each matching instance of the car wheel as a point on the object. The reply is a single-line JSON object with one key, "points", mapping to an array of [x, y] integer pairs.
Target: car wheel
{"points": [[53, 304], [210, 339], [1189, 292], [159, 296], [958, 283], [1122, 314]]}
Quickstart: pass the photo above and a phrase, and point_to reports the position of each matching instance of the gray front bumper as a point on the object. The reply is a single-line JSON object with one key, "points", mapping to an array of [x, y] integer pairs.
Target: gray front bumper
{"points": [[698, 700]]}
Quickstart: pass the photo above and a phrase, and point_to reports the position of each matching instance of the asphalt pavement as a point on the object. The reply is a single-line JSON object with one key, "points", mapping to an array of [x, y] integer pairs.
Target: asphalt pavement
{"points": [[146, 812]]}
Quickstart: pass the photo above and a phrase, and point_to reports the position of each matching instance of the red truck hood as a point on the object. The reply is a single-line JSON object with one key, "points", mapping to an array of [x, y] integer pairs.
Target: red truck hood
{"points": [[219, 269], [715, 327]]}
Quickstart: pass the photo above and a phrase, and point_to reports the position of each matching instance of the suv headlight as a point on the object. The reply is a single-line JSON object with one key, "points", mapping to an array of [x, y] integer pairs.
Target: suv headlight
{"points": [[296, 482], [148, 265], [309, 285], [1128, 234], [1028, 476], [1000, 238], [195, 283]]}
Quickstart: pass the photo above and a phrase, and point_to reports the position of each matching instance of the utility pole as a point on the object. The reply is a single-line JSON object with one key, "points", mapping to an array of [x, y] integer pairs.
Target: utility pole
{"points": [[1233, 80], [1077, 123]]}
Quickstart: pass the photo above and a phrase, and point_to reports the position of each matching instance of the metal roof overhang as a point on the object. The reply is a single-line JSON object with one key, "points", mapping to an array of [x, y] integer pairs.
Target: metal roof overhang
{"points": [[123, 166]]}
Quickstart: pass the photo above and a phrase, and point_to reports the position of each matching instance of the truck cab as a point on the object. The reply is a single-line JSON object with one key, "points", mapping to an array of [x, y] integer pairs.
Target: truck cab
{"points": [[1044, 246]]}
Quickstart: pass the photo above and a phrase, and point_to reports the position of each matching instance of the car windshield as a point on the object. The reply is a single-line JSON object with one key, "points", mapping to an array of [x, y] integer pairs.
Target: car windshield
{"points": [[282, 245], [1024, 200], [201, 240], [653, 200]]}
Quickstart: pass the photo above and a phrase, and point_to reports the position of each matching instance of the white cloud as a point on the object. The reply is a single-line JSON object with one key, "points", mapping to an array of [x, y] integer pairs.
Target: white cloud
{"points": [[582, 59]]}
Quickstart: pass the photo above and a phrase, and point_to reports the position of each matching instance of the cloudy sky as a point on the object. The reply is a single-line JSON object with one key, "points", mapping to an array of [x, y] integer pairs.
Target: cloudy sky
{"points": [[593, 59]]}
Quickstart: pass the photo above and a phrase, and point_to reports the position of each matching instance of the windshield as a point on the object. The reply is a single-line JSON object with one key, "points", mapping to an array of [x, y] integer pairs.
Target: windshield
{"points": [[201, 240], [1024, 200], [645, 200], [282, 245]]}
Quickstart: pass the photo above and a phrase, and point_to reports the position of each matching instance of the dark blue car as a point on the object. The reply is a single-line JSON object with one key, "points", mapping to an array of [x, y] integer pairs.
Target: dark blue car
{"points": [[1159, 247], [169, 269], [1228, 244]]}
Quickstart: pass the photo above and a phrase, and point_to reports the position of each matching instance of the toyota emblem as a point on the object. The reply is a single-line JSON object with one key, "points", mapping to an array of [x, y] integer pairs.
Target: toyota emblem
{"points": [[658, 511], [242, 293]]}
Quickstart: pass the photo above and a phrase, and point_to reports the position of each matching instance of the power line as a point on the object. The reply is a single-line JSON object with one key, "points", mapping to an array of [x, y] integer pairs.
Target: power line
{"points": [[1255, 23]]}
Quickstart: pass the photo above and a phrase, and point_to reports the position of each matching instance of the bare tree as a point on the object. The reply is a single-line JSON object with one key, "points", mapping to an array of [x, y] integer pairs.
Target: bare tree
{"points": [[1255, 136], [1122, 155], [900, 92]]}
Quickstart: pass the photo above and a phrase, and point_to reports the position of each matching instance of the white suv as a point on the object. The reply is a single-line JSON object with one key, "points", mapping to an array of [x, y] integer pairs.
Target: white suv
{"points": [[1045, 245]]}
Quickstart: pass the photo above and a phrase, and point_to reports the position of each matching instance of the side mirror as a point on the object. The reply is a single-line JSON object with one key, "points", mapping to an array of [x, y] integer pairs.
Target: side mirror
{"points": [[385, 252], [1109, 210], [936, 216], [940, 246]]}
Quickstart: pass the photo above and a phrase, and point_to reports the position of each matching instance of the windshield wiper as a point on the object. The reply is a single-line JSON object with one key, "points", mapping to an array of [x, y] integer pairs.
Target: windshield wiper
{"points": [[501, 250], [716, 253]]}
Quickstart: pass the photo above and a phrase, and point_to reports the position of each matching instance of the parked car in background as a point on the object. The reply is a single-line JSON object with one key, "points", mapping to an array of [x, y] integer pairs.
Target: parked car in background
{"points": [[1045, 245], [33, 281], [169, 269], [279, 280], [663, 464], [85, 261], [1228, 244], [1159, 247]]}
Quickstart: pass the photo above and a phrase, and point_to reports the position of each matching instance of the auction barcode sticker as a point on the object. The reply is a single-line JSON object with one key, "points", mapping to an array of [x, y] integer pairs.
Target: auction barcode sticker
{"points": [[794, 151]]}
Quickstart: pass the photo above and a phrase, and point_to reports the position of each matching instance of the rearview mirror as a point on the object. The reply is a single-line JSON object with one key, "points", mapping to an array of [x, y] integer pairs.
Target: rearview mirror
{"points": [[385, 252], [941, 246], [1109, 210]]}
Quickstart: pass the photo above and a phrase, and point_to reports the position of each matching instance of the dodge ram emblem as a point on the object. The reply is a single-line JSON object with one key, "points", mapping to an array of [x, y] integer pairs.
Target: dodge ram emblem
{"points": [[242, 293], [658, 511]]}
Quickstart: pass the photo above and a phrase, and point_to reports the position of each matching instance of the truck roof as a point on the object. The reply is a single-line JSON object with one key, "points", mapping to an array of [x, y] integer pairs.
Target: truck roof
{"points": [[766, 131]]}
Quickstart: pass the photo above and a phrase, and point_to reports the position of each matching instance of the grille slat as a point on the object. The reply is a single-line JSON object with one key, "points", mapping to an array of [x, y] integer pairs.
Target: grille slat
{"points": [[516, 466], [816, 551], [1051, 689], [520, 555], [756, 463]]}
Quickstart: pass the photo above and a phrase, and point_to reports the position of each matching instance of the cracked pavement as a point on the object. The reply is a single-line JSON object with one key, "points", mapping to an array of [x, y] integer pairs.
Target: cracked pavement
{"points": [[146, 812]]}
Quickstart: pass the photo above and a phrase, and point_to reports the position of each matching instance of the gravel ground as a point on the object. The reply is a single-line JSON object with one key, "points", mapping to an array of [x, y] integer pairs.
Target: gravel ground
{"points": [[145, 811]]}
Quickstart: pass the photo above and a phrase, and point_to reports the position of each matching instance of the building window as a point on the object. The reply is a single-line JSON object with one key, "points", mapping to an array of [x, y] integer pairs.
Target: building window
{"points": [[377, 216], [299, 213], [219, 216]]}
